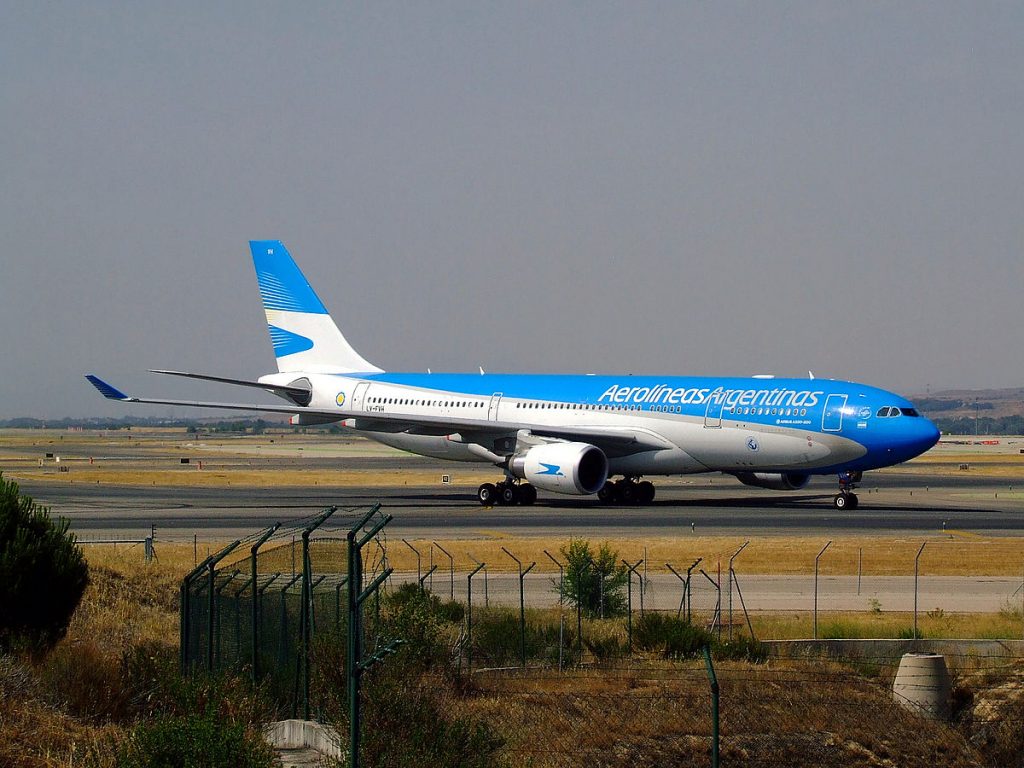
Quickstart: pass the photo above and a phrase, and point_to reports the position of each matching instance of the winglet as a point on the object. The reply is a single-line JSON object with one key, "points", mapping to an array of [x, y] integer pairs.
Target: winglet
{"points": [[109, 392]]}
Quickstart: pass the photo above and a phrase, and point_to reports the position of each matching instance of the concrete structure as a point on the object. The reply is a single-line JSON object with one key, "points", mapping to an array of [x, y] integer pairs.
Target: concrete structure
{"points": [[303, 742], [922, 685]]}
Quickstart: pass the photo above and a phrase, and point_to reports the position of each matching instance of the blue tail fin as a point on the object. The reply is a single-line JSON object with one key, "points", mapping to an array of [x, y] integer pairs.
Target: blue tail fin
{"points": [[304, 336]]}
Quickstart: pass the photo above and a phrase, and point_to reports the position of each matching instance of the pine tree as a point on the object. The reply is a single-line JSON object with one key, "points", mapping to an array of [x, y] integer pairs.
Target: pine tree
{"points": [[42, 573]]}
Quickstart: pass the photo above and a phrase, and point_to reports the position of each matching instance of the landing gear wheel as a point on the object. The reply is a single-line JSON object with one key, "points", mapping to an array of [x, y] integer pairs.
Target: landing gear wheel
{"points": [[508, 494], [527, 494], [607, 494], [645, 492], [627, 491], [845, 501], [487, 494]]}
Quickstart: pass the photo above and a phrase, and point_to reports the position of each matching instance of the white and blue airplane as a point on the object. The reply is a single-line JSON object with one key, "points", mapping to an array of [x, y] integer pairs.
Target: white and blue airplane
{"points": [[571, 434]]}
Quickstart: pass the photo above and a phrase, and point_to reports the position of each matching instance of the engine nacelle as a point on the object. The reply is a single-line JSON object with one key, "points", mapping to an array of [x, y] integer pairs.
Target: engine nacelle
{"points": [[774, 481], [575, 468]]}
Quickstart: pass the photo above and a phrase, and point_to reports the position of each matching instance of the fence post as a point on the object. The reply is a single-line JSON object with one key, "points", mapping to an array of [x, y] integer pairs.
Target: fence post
{"points": [[717, 619], [816, 559], [713, 680], [629, 599], [211, 566], [426, 576], [451, 571], [410, 546], [561, 577], [354, 663], [522, 605], [734, 556], [682, 600], [484, 566], [306, 616], [255, 600], [186, 612], [916, 560], [689, 592], [579, 609], [469, 616]]}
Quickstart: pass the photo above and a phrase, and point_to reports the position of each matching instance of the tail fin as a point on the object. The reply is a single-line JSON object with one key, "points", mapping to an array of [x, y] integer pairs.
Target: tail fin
{"points": [[304, 336]]}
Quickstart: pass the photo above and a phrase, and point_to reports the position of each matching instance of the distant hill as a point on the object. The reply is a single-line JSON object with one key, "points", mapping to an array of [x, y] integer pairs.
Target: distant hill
{"points": [[975, 411]]}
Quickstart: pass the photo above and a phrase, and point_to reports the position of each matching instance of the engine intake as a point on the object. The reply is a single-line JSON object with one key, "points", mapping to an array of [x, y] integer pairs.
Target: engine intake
{"points": [[574, 468], [774, 481]]}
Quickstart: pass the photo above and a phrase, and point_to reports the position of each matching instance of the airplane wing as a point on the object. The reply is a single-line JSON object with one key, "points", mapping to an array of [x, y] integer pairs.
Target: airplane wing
{"points": [[614, 441], [298, 393]]}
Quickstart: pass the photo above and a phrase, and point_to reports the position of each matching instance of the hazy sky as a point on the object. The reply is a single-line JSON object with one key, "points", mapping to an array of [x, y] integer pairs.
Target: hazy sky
{"points": [[692, 188]]}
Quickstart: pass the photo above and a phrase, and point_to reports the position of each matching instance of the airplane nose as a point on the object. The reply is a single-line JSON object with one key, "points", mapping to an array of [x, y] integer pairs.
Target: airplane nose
{"points": [[923, 437]]}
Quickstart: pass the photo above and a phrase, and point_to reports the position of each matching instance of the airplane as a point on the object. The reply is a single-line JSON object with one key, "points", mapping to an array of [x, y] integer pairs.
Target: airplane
{"points": [[570, 434]]}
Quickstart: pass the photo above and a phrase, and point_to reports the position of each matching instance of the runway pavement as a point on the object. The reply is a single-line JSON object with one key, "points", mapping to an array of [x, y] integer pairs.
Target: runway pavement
{"points": [[903, 503]]}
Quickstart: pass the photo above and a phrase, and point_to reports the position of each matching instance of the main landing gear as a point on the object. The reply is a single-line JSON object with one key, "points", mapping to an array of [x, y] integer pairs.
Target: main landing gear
{"points": [[846, 498], [627, 491], [506, 493]]}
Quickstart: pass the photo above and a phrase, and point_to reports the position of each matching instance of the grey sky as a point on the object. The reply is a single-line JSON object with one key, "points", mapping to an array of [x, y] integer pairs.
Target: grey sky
{"points": [[691, 188]]}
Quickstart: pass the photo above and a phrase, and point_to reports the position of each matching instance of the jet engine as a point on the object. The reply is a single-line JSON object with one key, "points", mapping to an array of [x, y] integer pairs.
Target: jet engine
{"points": [[574, 468], [774, 481]]}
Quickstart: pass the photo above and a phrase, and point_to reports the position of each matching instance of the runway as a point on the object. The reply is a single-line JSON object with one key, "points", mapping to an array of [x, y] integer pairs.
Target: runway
{"points": [[905, 503]]}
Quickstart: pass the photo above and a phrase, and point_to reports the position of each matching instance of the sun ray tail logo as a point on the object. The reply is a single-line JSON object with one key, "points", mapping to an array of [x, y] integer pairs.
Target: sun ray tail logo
{"points": [[551, 469], [288, 343]]}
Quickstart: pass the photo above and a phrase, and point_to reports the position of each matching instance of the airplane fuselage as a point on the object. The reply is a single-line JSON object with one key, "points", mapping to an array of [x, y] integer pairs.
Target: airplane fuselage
{"points": [[815, 426]]}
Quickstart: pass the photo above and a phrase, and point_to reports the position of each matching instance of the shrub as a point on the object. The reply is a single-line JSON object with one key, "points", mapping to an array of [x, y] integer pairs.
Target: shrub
{"points": [[742, 648], [410, 594], [42, 573], [196, 739], [497, 639], [411, 617], [410, 720], [669, 635], [597, 581]]}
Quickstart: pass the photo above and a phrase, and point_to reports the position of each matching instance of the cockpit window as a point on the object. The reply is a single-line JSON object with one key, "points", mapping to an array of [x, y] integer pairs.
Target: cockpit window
{"points": [[891, 411]]}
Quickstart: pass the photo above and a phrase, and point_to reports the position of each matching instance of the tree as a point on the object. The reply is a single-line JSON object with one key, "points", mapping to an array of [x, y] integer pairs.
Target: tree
{"points": [[597, 581], [42, 573]]}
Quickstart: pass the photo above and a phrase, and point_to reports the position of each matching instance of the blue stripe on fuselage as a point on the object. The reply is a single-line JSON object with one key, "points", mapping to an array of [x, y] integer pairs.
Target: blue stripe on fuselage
{"points": [[887, 441]]}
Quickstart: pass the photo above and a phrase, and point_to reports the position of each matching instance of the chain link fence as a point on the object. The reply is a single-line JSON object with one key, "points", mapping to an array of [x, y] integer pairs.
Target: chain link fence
{"points": [[502, 666]]}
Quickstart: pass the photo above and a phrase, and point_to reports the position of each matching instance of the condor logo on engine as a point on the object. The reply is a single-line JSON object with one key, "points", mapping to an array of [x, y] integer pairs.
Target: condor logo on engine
{"points": [[551, 469]]}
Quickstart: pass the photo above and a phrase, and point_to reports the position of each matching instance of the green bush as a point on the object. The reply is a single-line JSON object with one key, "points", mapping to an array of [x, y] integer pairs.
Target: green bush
{"points": [[497, 639], [42, 573], [742, 648], [411, 615], [201, 739], [672, 637], [410, 594], [410, 720], [606, 647], [595, 580]]}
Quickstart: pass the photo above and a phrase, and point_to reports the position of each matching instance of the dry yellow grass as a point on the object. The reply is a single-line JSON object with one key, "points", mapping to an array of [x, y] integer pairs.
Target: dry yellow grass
{"points": [[950, 554]]}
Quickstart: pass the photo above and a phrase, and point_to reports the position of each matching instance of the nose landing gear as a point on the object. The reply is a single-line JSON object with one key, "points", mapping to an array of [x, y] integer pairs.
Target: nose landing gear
{"points": [[846, 498]]}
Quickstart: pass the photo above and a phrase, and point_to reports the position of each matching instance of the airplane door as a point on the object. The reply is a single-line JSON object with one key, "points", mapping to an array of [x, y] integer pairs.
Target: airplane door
{"points": [[713, 415], [832, 418], [359, 395], [492, 408]]}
